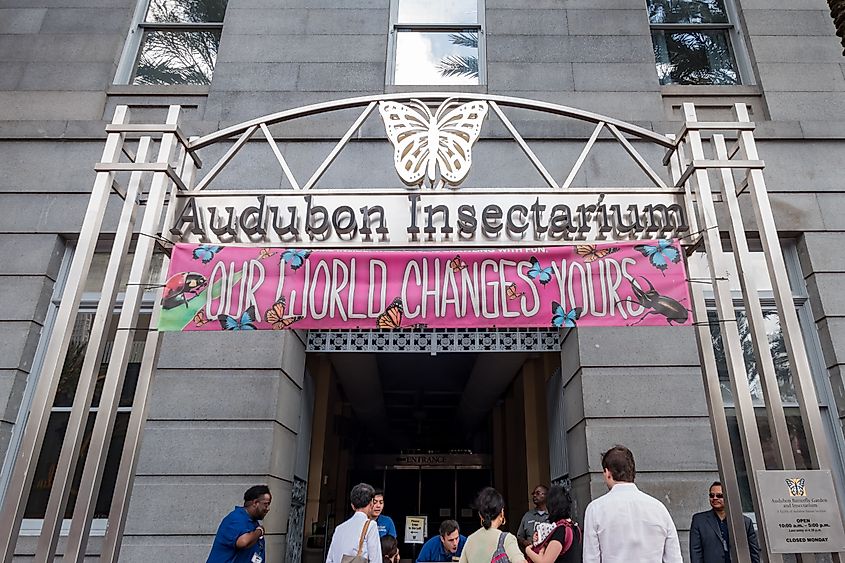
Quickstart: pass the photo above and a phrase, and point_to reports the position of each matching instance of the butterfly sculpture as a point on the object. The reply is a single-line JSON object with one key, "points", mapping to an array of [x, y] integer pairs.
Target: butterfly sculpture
{"points": [[392, 316], [796, 487], [275, 315], [206, 252], [562, 318], [457, 264], [244, 322], [296, 258], [590, 253], [437, 147], [537, 272], [660, 254]]}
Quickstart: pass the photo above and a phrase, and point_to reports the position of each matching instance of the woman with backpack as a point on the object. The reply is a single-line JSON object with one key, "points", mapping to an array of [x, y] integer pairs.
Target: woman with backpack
{"points": [[559, 541], [488, 544]]}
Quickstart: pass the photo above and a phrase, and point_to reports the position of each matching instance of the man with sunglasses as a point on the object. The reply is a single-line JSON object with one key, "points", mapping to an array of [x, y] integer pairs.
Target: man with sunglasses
{"points": [[709, 535]]}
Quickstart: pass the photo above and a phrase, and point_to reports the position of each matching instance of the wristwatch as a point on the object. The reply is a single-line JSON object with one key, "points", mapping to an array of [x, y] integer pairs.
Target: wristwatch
{"points": [[262, 531]]}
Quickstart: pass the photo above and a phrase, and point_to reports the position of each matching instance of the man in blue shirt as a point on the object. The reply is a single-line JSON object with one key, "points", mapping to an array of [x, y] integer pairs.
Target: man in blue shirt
{"points": [[240, 536], [385, 523], [445, 547]]}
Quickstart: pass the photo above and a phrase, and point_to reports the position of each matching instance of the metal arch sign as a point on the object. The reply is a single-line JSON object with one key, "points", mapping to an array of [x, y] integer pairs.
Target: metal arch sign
{"points": [[378, 218], [215, 287]]}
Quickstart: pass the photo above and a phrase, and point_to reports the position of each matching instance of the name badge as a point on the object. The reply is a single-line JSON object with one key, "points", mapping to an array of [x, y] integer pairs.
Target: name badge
{"points": [[256, 558]]}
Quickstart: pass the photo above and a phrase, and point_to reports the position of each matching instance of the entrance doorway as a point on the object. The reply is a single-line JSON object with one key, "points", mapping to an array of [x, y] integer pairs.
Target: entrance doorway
{"points": [[430, 430]]}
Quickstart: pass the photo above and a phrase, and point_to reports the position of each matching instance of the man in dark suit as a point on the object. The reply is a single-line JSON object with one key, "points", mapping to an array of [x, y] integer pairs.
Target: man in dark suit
{"points": [[709, 540]]}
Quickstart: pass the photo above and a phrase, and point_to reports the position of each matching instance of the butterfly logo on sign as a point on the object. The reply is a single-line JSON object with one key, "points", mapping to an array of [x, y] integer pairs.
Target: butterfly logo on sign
{"points": [[436, 148], [796, 487]]}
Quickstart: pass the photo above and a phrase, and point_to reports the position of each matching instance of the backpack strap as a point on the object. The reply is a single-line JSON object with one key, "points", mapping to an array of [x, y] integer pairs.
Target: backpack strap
{"points": [[363, 535], [501, 544], [500, 554]]}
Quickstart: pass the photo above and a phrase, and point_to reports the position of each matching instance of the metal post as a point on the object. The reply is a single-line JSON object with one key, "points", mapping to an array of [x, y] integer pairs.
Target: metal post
{"points": [[754, 313], [712, 389], [140, 405], [716, 259], [48, 380], [71, 445], [802, 378], [104, 423]]}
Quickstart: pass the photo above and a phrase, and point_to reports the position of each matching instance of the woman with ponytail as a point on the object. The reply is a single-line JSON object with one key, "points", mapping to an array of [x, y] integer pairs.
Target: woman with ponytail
{"points": [[489, 544]]}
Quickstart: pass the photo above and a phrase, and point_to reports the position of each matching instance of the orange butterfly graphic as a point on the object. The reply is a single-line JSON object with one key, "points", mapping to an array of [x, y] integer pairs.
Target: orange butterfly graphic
{"points": [[200, 318], [457, 264], [511, 292], [265, 253], [391, 318], [275, 315], [590, 253]]}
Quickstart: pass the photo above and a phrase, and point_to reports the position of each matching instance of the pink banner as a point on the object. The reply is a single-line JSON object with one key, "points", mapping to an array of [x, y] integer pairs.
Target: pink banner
{"points": [[248, 288]]}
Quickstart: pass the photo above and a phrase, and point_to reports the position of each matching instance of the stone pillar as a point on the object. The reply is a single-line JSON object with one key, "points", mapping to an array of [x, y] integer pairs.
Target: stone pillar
{"points": [[29, 265], [640, 387], [822, 258], [224, 415]]}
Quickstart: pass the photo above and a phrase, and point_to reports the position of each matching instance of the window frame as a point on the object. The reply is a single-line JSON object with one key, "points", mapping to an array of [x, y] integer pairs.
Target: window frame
{"points": [[131, 53], [396, 28], [736, 44]]}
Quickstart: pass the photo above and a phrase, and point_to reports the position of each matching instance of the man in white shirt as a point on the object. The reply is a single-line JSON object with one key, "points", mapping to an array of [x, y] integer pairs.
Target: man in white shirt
{"points": [[626, 524], [348, 536]]}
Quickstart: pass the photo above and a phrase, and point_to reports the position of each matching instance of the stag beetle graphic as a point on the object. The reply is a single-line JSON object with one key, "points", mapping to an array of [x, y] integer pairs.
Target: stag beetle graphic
{"points": [[658, 304]]}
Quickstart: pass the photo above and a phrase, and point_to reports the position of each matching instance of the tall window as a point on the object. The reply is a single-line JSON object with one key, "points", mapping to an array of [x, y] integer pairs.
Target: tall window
{"points": [[436, 42], [60, 413], [693, 42], [174, 42]]}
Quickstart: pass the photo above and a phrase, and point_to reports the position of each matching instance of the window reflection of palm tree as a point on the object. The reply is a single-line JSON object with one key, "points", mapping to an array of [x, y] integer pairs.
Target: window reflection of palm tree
{"points": [[692, 57], [180, 56], [460, 65]]}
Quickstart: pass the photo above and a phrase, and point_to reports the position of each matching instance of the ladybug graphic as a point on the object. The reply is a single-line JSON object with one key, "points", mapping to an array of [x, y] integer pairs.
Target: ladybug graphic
{"points": [[180, 286]]}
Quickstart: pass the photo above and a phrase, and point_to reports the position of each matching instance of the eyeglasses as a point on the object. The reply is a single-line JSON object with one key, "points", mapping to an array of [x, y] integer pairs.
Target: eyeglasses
{"points": [[716, 495]]}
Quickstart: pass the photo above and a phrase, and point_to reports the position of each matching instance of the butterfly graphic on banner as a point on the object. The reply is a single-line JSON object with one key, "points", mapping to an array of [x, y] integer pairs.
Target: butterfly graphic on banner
{"points": [[457, 264], [206, 252], [539, 273], [660, 254], [434, 147], [590, 253], [796, 487], [265, 253], [295, 258], [392, 316], [561, 318], [512, 292], [244, 322], [275, 315]]}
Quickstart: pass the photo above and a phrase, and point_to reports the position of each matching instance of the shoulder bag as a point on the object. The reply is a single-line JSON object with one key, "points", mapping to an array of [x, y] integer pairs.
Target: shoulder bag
{"points": [[357, 557]]}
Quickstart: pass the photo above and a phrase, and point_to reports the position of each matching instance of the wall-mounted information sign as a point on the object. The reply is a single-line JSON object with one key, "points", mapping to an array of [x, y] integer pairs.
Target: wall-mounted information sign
{"points": [[800, 511]]}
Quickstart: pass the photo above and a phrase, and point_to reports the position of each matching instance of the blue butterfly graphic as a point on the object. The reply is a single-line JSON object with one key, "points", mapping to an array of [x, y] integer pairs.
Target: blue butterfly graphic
{"points": [[206, 252], [564, 319], [244, 323], [660, 254], [296, 258], [543, 275]]}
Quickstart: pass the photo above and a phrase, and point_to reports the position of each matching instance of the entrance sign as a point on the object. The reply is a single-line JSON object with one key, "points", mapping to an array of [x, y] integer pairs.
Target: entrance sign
{"points": [[415, 528], [800, 511], [212, 287], [489, 218]]}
